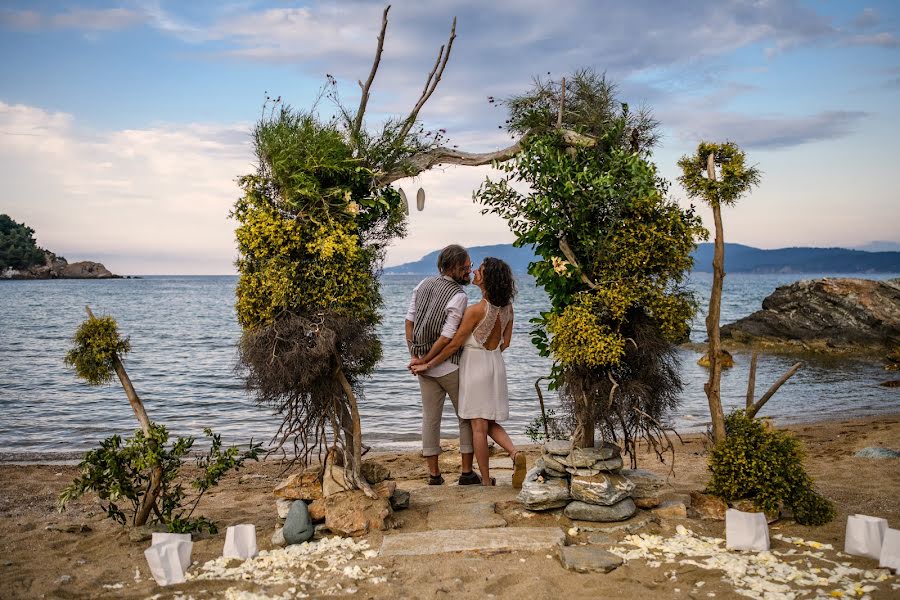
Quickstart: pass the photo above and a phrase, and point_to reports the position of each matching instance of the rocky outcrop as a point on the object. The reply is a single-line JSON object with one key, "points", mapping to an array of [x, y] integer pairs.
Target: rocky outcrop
{"points": [[59, 268], [829, 315]]}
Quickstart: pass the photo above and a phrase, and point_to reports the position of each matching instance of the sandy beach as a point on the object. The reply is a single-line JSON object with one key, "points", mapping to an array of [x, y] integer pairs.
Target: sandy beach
{"points": [[81, 554]]}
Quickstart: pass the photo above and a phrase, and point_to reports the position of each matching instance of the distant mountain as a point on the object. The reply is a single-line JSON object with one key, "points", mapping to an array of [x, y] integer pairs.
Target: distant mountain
{"points": [[738, 259], [517, 258], [746, 259], [879, 246]]}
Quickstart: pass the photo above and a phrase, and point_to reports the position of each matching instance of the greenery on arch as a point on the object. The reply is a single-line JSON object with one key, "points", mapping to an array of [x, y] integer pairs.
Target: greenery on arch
{"points": [[614, 255]]}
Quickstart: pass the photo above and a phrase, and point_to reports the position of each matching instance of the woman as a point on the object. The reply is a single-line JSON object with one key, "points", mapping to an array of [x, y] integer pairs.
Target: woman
{"points": [[484, 333]]}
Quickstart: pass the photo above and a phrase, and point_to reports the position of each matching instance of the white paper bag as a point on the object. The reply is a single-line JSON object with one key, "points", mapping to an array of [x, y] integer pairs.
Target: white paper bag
{"points": [[864, 535], [165, 561], [240, 541], [184, 550], [890, 550], [746, 530]]}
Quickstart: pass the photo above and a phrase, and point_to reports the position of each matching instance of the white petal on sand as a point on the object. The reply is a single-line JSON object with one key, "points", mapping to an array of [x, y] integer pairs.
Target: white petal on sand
{"points": [[759, 575]]}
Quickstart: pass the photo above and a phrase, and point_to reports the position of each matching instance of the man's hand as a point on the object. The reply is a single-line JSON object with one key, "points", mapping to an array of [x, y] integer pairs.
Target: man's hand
{"points": [[415, 362], [418, 368]]}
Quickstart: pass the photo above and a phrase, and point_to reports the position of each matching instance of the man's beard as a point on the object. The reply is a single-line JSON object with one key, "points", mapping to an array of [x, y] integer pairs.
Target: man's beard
{"points": [[462, 279]]}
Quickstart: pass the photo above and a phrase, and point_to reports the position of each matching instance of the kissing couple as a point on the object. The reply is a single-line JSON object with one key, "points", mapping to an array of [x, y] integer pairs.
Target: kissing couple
{"points": [[457, 351]]}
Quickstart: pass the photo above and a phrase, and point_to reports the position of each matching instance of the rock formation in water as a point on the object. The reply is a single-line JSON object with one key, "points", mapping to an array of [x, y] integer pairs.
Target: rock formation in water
{"points": [[59, 268], [830, 315]]}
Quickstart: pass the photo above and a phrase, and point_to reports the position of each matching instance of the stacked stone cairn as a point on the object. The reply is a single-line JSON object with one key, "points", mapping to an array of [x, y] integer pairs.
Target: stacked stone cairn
{"points": [[318, 500], [588, 482]]}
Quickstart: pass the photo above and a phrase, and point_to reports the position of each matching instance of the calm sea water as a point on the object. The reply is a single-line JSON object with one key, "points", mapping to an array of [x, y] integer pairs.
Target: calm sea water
{"points": [[183, 332]]}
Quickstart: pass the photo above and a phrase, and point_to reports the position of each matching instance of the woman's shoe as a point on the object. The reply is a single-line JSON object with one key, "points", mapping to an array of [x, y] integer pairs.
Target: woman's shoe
{"points": [[519, 470]]}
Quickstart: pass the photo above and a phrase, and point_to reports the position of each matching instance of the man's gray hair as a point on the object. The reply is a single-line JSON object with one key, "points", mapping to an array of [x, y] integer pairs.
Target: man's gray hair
{"points": [[451, 257]]}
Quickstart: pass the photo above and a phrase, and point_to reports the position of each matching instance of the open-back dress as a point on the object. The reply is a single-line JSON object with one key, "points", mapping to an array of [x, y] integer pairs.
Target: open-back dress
{"points": [[482, 373]]}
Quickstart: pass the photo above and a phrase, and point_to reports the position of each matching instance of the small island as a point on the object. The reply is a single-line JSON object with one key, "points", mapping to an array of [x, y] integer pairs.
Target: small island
{"points": [[22, 258]]}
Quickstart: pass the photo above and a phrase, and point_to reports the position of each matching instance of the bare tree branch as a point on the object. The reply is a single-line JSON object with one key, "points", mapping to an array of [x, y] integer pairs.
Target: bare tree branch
{"points": [[562, 104], [751, 381], [423, 161], [752, 410], [417, 163], [358, 119], [431, 83]]}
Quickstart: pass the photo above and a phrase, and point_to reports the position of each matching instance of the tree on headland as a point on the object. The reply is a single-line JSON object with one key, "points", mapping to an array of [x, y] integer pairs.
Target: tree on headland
{"points": [[718, 175], [614, 253], [18, 249]]}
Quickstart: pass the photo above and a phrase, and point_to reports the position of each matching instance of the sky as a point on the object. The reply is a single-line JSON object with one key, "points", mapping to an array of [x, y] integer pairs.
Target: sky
{"points": [[125, 125]]}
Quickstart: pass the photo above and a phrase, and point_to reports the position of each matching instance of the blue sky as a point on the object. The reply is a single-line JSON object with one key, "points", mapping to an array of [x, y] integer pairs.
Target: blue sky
{"points": [[123, 125]]}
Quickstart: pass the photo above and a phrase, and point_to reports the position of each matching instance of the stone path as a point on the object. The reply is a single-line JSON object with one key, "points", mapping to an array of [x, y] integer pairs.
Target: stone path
{"points": [[472, 540]]}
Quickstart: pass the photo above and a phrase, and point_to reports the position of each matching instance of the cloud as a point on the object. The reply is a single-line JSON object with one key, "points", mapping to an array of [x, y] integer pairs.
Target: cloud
{"points": [[883, 39], [156, 200], [110, 19], [867, 18], [136, 194], [763, 131]]}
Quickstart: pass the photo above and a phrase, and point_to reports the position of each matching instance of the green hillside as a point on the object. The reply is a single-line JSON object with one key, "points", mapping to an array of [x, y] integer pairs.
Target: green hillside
{"points": [[18, 250]]}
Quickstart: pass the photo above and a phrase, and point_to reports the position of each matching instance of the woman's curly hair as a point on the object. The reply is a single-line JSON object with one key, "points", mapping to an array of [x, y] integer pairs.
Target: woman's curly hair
{"points": [[499, 283]]}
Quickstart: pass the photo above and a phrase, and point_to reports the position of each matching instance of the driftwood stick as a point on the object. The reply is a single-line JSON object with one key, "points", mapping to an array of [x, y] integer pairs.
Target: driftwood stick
{"points": [[752, 410], [537, 388], [431, 83], [562, 104], [364, 99], [751, 380]]}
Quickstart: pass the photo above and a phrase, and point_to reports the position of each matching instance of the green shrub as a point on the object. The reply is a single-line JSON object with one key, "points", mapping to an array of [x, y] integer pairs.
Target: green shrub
{"points": [[97, 346], [120, 475], [766, 466], [535, 429]]}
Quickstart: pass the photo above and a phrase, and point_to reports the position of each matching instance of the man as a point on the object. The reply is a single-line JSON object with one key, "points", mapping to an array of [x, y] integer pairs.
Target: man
{"points": [[434, 314]]}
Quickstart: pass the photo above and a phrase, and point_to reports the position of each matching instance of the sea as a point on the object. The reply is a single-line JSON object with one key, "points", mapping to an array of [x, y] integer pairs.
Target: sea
{"points": [[184, 332]]}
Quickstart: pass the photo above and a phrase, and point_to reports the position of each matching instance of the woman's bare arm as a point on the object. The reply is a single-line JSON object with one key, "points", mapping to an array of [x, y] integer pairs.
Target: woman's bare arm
{"points": [[507, 333], [438, 355]]}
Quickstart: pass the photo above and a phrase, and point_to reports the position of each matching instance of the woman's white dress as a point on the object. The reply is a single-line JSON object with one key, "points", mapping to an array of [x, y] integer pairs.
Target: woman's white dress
{"points": [[482, 373]]}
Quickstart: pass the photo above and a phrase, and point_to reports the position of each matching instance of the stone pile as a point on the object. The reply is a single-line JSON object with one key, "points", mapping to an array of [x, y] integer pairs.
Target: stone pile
{"points": [[588, 482], [319, 498]]}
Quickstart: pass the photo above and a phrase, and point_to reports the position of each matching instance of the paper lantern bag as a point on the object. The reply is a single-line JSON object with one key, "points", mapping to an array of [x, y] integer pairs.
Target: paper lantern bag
{"points": [[746, 530], [890, 550], [864, 535], [165, 561], [240, 542]]}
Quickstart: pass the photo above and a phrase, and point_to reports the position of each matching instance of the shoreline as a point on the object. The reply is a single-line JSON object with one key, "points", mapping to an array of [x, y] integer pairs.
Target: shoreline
{"points": [[73, 457]]}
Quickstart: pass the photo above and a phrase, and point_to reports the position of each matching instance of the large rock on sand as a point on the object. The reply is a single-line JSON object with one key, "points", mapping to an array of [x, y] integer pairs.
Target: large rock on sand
{"points": [[353, 513], [830, 314], [603, 488], [543, 493]]}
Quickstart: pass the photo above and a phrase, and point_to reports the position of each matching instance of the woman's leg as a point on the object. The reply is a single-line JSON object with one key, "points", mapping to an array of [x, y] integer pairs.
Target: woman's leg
{"points": [[482, 453], [499, 435]]}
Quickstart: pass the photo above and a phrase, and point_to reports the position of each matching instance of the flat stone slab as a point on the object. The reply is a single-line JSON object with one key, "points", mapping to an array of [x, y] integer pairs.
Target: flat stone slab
{"points": [[473, 515], [505, 539], [588, 559]]}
